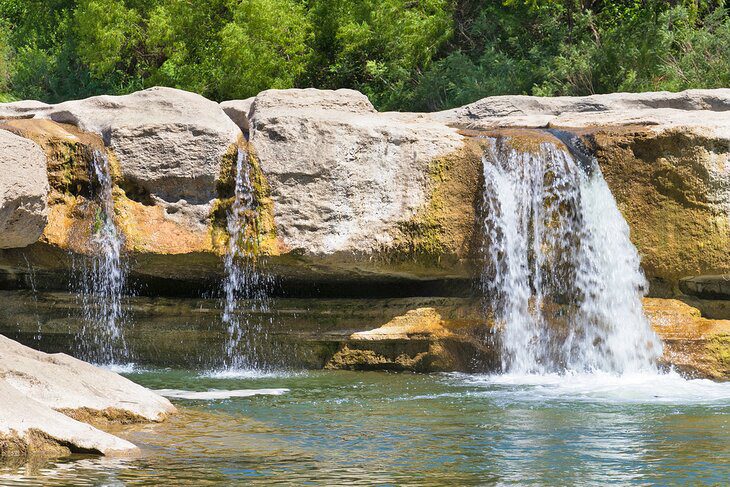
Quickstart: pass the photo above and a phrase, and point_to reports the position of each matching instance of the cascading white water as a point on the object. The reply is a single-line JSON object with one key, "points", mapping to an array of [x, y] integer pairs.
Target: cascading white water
{"points": [[102, 285], [245, 285], [561, 275]]}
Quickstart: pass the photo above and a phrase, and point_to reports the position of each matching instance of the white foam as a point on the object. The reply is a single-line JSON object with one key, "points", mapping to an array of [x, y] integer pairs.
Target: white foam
{"points": [[214, 394], [248, 374], [129, 368], [664, 388]]}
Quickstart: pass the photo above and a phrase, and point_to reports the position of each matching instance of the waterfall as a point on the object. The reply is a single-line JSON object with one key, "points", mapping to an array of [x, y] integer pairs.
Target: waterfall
{"points": [[560, 276], [245, 285], [103, 282]]}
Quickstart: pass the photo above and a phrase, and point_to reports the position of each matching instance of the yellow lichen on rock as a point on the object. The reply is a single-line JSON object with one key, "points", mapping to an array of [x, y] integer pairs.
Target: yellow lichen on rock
{"points": [[667, 187], [692, 344]]}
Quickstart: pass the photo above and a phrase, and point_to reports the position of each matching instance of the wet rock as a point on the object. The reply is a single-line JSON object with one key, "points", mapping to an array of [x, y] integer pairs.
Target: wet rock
{"points": [[23, 191], [692, 344], [709, 287]]}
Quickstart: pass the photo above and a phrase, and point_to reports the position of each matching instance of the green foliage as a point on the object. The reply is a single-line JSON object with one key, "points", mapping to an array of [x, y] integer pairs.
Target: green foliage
{"points": [[404, 54]]}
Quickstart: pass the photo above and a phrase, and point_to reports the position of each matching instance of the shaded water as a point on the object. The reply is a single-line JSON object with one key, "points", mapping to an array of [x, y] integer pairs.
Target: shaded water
{"points": [[342, 428], [561, 273]]}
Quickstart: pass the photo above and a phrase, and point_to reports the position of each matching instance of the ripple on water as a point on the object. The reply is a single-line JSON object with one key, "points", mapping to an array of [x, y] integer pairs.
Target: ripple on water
{"points": [[214, 394]]}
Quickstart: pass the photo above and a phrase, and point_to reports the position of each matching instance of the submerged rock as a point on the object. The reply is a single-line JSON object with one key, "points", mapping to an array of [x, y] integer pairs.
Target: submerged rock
{"points": [[23, 191], [44, 395]]}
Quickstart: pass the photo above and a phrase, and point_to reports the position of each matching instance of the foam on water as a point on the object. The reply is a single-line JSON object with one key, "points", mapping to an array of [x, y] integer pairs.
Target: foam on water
{"points": [[602, 388], [249, 374], [215, 394], [561, 275]]}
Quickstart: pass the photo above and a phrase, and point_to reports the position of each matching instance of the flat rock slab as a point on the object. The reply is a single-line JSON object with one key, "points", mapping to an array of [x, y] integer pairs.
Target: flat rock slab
{"points": [[28, 427], [64, 383]]}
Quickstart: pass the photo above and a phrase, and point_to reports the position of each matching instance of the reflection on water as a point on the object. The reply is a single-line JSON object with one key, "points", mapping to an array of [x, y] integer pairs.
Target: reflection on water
{"points": [[405, 429]]}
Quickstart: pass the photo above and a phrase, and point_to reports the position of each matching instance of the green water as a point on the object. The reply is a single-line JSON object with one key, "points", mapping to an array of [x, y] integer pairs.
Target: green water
{"points": [[347, 428]]}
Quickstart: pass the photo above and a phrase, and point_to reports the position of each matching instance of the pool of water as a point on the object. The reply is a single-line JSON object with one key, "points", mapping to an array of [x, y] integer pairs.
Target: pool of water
{"points": [[347, 428]]}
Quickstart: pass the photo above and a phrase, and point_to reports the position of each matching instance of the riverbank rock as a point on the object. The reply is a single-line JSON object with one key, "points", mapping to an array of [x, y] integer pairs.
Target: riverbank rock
{"points": [[23, 191], [692, 344], [45, 396], [68, 384], [351, 198], [30, 428]]}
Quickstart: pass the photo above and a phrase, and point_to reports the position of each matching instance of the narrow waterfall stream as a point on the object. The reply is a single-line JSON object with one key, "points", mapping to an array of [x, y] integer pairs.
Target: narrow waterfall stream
{"points": [[561, 276], [245, 285], [103, 281]]}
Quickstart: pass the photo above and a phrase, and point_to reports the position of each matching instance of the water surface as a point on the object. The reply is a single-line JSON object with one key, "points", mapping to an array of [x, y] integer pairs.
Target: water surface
{"points": [[346, 428]]}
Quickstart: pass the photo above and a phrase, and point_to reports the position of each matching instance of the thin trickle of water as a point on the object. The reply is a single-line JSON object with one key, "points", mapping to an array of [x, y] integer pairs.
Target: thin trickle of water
{"points": [[560, 274], [103, 282], [245, 285]]}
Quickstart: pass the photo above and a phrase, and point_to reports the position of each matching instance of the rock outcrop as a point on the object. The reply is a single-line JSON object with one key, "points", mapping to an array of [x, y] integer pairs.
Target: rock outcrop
{"points": [[701, 109], [387, 204], [23, 191], [692, 344], [420, 341], [345, 180], [45, 397]]}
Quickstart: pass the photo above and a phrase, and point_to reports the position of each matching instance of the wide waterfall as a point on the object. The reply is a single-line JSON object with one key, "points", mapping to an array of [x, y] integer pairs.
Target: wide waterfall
{"points": [[561, 276], [103, 279], [245, 285]]}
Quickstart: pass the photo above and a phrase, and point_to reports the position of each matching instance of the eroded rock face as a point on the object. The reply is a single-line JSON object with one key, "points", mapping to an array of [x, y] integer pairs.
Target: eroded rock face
{"points": [[169, 142], [343, 177], [693, 344], [23, 191], [673, 189], [419, 341], [168, 150]]}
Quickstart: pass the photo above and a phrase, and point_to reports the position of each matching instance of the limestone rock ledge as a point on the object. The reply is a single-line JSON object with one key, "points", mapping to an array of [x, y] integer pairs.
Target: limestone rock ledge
{"points": [[419, 341], [694, 345], [45, 397]]}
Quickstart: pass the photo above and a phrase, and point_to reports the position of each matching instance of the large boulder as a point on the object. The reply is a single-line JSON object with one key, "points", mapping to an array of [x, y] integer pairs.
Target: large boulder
{"points": [[23, 191], [169, 142], [344, 178]]}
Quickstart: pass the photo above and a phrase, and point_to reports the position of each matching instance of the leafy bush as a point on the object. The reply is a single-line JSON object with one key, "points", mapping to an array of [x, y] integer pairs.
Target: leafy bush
{"points": [[404, 54]]}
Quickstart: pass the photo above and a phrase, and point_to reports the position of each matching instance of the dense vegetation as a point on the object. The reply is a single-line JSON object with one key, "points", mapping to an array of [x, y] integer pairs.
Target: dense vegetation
{"points": [[404, 54]]}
